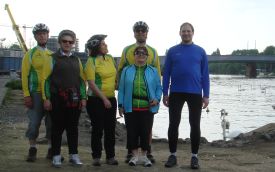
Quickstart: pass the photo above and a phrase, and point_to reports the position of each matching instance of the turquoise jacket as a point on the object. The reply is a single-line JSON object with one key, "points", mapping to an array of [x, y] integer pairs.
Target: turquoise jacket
{"points": [[126, 84]]}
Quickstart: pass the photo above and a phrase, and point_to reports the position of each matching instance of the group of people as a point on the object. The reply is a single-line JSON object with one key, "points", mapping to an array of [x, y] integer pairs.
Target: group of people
{"points": [[54, 86]]}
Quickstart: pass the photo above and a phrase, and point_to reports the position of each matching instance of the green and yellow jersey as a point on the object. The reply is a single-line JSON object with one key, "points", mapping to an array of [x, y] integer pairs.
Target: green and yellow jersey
{"points": [[103, 71], [32, 67], [128, 58]]}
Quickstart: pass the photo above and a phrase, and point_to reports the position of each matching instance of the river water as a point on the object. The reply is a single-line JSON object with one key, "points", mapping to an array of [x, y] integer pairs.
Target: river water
{"points": [[247, 101]]}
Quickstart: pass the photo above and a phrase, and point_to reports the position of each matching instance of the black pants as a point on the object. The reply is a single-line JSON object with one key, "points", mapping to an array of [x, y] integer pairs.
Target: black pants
{"points": [[64, 118], [102, 119], [176, 102], [139, 125]]}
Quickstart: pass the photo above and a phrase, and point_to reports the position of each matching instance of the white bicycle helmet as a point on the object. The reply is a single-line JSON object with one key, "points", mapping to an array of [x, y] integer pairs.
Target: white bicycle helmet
{"points": [[95, 40], [40, 27], [141, 24]]}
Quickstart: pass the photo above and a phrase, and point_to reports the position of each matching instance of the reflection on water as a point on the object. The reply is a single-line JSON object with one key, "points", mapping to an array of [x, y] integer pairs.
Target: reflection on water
{"points": [[247, 101]]}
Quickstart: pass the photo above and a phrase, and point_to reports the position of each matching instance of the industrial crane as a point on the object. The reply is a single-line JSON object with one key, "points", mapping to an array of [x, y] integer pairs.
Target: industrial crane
{"points": [[16, 30]]}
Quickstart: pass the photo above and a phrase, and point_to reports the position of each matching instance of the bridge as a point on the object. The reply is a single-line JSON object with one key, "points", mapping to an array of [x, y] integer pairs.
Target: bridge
{"points": [[241, 59]]}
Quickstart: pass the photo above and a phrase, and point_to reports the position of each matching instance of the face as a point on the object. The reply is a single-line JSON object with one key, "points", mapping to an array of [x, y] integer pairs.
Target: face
{"points": [[103, 48], [140, 57], [66, 43], [41, 38], [186, 34], [141, 35]]}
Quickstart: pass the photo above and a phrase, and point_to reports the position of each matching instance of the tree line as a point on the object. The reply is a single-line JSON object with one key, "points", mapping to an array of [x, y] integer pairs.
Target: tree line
{"points": [[239, 68]]}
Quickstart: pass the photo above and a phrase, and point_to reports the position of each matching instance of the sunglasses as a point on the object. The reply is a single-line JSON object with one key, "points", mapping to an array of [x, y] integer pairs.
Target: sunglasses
{"points": [[141, 53], [67, 41], [141, 30]]}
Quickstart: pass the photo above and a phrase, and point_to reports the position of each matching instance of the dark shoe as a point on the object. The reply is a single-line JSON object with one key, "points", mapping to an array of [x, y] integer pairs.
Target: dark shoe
{"points": [[96, 162], [111, 161], [151, 158], [194, 163], [171, 162], [128, 157], [32, 154]]}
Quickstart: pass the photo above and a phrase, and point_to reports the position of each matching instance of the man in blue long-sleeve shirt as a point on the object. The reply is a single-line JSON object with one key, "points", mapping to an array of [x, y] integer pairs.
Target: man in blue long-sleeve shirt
{"points": [[186, 66]]}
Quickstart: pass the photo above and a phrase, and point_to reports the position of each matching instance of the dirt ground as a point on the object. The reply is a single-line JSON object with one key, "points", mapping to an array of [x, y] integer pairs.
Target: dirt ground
{"points": [[258, 155]]}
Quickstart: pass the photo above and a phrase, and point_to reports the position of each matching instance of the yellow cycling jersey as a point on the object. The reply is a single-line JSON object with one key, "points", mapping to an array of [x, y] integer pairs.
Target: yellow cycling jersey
{"points": [[32, 67], [103, 71], [127, 58]]}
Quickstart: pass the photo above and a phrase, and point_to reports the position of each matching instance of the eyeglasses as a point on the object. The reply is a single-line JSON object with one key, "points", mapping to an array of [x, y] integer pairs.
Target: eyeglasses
{"points": [[67, 41], [141, 53], [141, 30]]}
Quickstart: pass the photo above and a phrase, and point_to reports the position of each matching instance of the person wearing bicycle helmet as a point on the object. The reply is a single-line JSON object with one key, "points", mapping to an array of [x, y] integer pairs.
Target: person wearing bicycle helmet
{"points": [[140, 30], [101, 106], [32, 65], [64, 94]]}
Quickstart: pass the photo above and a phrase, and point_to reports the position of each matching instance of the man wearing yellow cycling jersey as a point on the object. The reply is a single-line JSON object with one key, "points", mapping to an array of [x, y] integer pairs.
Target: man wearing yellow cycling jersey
{"points": [[140, 29], [32, 66]]}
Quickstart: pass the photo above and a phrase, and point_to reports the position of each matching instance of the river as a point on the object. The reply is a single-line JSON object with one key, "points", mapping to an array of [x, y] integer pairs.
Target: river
{"points": [[247, 101]]}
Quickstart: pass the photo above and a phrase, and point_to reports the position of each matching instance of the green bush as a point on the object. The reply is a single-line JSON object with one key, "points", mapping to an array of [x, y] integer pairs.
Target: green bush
{"points": [[14, 84]]}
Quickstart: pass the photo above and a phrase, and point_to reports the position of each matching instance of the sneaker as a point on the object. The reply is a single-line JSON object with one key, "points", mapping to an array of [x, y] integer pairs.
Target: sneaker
{"points": [[133, 161], [128, 157], [56, 161], [111, 161], [146, 162], [151, 158], [32, 154], [50, 155], [96, 162], [74, 159], [195, 163], [171, 162]]}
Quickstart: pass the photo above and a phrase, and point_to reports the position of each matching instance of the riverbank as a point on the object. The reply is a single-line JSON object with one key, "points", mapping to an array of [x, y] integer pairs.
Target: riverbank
{"points": [[252, 151]]}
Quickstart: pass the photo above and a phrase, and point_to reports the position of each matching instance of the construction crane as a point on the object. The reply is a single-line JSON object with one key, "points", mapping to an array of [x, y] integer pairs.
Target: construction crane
{"points": [[17, 31]]}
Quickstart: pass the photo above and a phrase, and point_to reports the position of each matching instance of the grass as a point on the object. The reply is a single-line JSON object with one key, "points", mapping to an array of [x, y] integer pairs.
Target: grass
{"points": [[14, 84]]}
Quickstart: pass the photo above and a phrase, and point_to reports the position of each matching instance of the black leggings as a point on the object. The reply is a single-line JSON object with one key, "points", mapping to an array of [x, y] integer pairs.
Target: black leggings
{"points": [[102, 119], [176, 102]]}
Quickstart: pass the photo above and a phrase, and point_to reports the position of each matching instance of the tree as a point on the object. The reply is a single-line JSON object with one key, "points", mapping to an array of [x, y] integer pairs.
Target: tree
{"points": [[216, 53], [15, 47], [270, 50], [245, 52]]}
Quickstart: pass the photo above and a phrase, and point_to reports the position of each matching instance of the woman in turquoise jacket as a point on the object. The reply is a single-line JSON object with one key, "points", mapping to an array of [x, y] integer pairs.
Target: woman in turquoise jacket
{"points": [[139, 95]]}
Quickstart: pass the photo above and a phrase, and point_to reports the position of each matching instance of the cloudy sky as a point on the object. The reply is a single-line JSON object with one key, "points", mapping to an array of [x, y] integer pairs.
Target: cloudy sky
{"points": [[224, 24]]}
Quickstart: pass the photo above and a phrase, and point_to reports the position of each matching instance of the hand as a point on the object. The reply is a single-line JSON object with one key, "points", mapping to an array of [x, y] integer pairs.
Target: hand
{"points": [[205, 102], [28, 102], [83, 103], [47, 105], [107, 103], [165, 101], [121, 111], [154, 103]]}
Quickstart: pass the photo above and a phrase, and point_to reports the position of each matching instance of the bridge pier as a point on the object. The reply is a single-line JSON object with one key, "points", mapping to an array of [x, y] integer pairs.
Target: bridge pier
{"points": [[251, 70]]}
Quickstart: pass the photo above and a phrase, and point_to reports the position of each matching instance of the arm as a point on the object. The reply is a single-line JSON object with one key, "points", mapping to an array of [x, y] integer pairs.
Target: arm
{"points": [[45, 88], [166, 79], [121, 93], [83, 95], [157, 64], [25, 80], [205, 81], [121, 65], [158, 89]]}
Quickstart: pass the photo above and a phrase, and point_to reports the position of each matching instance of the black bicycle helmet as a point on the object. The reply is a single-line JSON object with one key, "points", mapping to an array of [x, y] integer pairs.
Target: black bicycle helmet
{"points": [[140, 24], [40, 27], [95, 40]]}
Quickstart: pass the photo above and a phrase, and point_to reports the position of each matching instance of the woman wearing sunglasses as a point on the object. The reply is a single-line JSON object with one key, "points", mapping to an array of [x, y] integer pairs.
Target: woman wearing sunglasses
{"points": [[64, 95], [138, 98], [100, 73]]}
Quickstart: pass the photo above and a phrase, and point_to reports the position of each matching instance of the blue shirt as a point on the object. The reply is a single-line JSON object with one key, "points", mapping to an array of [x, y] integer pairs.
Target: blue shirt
{"points": [[186, 66]]}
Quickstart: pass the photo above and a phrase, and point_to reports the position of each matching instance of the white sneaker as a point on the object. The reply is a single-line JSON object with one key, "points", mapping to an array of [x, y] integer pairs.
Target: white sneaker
{"points": [[133, 161], [56, 161], [74, 159], [146, 162]]}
